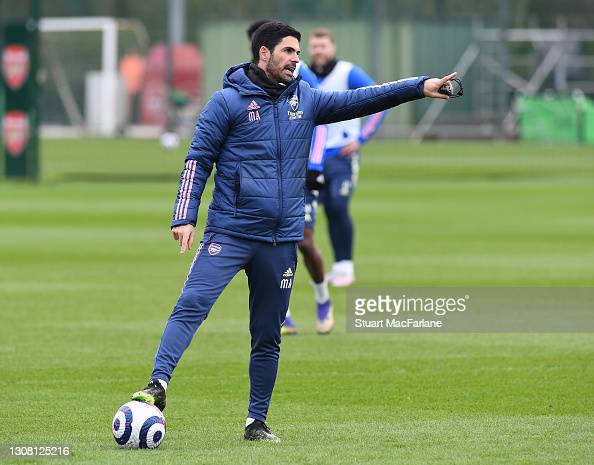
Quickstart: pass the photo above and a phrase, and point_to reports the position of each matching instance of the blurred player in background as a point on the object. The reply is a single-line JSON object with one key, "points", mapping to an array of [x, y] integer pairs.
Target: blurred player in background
{"points": [[314, 183], [339, 159], [132, 67]]}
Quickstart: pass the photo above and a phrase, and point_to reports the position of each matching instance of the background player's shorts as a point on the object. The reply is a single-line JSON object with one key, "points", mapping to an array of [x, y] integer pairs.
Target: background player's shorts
{"points": [[311, 205], [341, 174]]}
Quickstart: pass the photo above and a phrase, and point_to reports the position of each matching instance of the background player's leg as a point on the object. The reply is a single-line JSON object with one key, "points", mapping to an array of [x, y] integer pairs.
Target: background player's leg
{"points": [[315, 266], [340, 224], [340, 227], [270, 274], [311, 256], [218, 259]]}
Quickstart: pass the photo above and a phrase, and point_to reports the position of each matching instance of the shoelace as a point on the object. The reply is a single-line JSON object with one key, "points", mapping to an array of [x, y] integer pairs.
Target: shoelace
{"points": [[265, 426]]}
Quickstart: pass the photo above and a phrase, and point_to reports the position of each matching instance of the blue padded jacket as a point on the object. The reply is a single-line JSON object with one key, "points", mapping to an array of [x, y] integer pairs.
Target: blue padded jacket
{"points": [[260, 148]]}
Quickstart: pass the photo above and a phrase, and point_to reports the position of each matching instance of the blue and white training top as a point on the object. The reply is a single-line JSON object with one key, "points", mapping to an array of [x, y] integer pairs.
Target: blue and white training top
{"points": [[344, 76], [306, 74], [318, 140]]}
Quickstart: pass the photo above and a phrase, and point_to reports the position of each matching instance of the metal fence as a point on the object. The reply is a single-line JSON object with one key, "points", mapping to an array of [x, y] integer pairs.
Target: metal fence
{"points": [[389, 39]]}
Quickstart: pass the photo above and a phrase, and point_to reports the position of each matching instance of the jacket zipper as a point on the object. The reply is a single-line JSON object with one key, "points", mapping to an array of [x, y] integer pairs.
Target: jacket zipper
{"points": [[279, 171], [278, 157], [237, 188]]}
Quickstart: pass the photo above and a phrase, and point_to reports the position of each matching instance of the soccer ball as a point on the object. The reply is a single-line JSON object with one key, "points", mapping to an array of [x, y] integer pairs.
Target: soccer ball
{"points": [[138, 425], [169, 140]]}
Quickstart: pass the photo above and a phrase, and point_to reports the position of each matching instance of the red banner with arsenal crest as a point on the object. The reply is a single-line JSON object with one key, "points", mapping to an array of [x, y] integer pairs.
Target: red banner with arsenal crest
{"points": [[15, 65], [15, 132], [19, 117]]}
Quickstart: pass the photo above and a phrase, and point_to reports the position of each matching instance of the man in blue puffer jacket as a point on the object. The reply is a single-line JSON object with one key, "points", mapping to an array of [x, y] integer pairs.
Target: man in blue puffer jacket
{"points": [[257, 131]]}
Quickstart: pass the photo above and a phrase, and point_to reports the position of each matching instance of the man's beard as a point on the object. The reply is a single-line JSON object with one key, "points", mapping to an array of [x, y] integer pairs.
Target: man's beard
{"points": [[274, 72]]}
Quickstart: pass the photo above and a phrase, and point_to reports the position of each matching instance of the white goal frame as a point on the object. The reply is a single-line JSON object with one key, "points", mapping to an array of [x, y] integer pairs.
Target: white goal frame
{"points": [[109, 27]]}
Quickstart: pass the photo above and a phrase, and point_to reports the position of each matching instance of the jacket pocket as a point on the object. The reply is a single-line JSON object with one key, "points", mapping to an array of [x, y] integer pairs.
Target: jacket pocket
{"points": [[237, 188]]}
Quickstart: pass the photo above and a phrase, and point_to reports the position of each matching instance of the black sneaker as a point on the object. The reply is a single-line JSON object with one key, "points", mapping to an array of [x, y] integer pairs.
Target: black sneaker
{"points": [[258, 431], [153, 394]]}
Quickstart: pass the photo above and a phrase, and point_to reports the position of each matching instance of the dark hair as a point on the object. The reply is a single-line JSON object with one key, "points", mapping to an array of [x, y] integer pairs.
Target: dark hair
{"points": [[254, 26], [322, 32], [270, 35]]}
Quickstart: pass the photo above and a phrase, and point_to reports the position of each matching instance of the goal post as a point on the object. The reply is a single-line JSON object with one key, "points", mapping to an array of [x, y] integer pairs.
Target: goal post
{"points": [[93, 101]]}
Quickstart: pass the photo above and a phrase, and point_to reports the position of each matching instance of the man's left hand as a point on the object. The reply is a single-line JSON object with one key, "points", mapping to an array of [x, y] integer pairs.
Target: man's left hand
{"points": [[350, 149]]}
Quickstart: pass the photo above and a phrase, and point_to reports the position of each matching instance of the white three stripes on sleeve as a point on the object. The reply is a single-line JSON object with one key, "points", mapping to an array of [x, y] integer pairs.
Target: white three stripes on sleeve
{"points": [[185, 190]]}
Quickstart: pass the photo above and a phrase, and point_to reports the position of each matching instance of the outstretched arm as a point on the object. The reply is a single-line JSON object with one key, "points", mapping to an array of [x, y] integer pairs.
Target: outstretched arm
{"points": [[209, 135], [339, 106]]}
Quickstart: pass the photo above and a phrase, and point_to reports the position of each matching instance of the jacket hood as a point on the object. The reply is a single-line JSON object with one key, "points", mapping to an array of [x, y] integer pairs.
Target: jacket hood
{"points": [[236, 78]]}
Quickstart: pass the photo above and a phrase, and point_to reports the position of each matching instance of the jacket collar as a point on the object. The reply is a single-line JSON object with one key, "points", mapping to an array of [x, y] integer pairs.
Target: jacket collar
{"points": [[236, 78]]}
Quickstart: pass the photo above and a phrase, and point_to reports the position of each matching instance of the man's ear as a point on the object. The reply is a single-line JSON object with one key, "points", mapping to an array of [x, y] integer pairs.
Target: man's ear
{"points": [[264, 54]]}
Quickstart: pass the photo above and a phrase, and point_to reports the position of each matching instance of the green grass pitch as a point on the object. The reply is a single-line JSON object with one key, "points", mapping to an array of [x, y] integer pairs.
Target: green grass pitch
{"points": [[89, 274]]}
